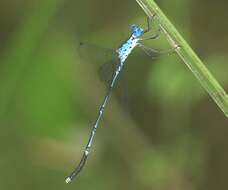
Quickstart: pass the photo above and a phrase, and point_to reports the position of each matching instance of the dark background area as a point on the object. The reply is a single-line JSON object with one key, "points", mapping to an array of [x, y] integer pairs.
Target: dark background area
{"points": [[160, 130]]}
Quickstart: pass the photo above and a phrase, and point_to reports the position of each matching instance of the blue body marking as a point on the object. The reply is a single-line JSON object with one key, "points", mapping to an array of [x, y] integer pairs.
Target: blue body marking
{"points": [[123, 52]]}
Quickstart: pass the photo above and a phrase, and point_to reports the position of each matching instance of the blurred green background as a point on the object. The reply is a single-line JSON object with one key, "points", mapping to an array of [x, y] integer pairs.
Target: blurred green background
{"points": [[167, 134]]}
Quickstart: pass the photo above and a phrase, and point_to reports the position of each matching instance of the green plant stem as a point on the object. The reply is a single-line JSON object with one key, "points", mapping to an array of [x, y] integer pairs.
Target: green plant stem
{"points": [[188, 56]]}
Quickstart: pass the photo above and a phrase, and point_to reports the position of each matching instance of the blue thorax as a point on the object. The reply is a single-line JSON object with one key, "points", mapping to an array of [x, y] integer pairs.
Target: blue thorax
{"points": [[127, 47]]}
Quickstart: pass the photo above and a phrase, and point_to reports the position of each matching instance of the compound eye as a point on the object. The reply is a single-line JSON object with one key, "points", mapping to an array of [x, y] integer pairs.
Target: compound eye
{"points": [[133, 27]]}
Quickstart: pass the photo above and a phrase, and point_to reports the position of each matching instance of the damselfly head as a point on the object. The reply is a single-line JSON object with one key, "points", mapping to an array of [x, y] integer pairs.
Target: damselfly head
{"points": [[136, 31]]}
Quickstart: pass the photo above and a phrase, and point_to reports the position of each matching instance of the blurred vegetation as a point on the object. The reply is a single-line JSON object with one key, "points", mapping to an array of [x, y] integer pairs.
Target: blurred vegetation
{"points": [[171, 135]]}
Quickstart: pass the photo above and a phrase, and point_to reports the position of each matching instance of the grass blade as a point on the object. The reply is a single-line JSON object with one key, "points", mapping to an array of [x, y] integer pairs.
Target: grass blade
{"points": [[188, 56]]}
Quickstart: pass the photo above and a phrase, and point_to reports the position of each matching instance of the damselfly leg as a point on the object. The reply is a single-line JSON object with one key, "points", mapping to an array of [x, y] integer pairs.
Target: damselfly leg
{"points": [[154, 53], [149, 21], [117, 58]]}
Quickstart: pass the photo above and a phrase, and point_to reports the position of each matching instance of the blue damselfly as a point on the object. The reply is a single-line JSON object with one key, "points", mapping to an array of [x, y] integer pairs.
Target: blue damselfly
{"points": [[135, 40]]}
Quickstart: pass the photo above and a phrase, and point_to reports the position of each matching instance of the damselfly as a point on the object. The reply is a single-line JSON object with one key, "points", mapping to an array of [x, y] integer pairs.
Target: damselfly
{"points": [[125, 49]]}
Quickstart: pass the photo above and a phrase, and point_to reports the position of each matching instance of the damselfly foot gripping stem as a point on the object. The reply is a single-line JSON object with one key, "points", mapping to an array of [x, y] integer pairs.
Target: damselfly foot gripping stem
{"points": [[122, 52]]}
